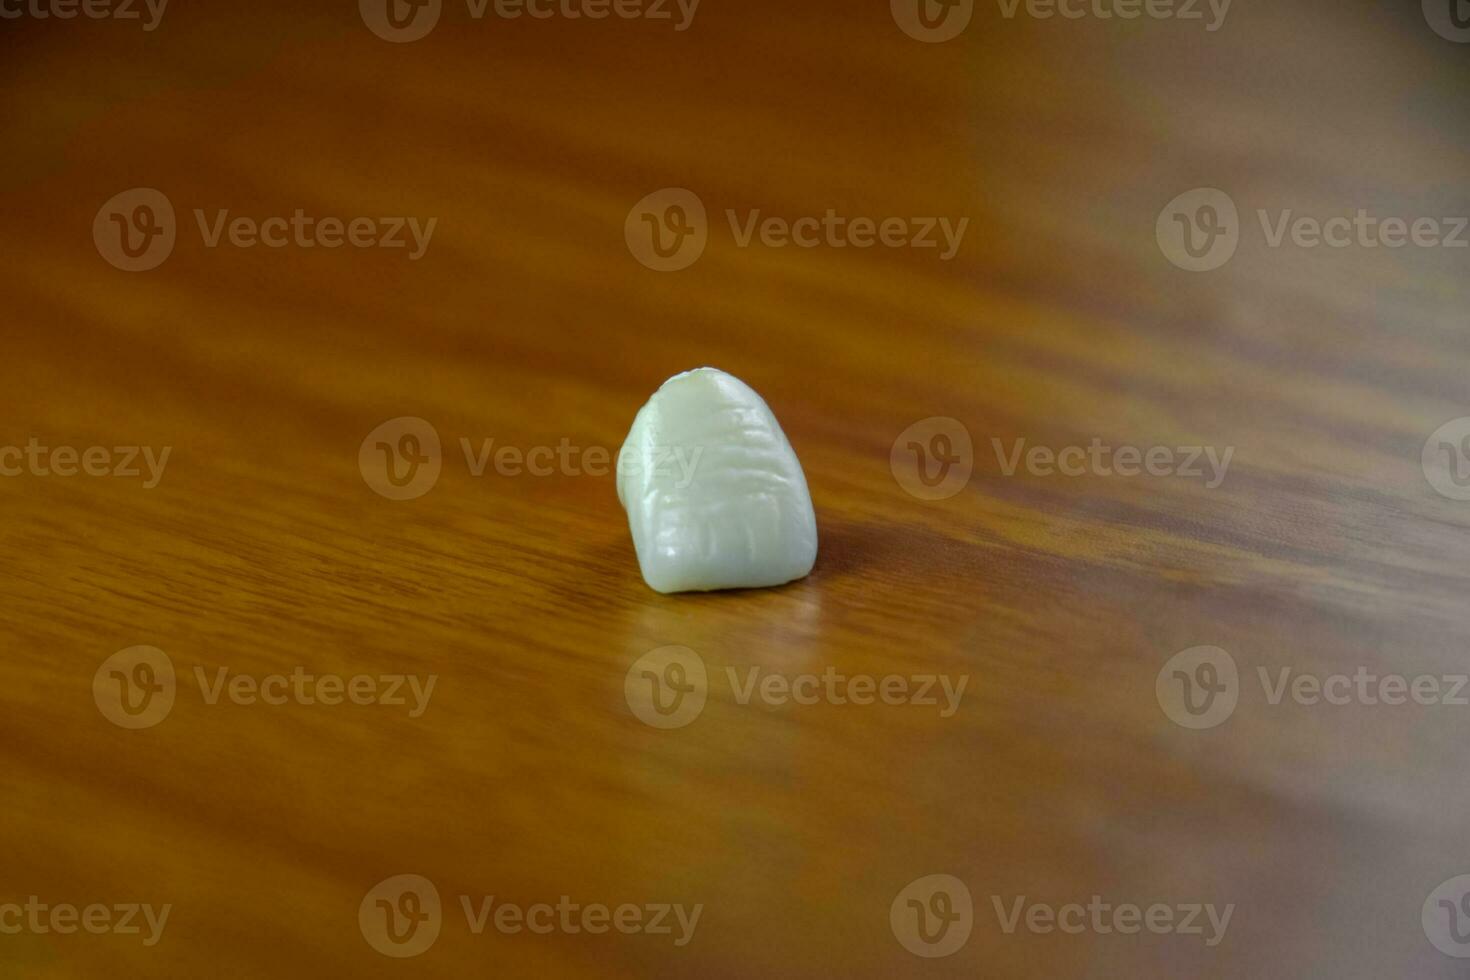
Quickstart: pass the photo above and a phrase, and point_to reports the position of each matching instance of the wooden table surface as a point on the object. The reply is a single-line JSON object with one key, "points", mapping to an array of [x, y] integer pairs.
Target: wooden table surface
{"points": [[263, 547]]}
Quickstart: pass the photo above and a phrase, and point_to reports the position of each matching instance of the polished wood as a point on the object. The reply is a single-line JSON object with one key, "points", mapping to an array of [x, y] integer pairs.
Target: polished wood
{"points": [[526, 320]]}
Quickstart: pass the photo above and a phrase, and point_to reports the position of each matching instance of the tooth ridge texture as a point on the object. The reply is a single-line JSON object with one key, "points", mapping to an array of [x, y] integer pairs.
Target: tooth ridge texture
{"points": [[715, 495]]}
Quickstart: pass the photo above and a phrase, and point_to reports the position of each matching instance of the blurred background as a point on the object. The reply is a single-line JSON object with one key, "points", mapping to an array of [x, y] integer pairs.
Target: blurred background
{"points": [[1125, 262]]}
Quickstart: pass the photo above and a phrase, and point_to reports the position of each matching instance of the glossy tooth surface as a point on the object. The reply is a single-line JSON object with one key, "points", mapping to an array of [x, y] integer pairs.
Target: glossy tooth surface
{"points": [[715, 496]]}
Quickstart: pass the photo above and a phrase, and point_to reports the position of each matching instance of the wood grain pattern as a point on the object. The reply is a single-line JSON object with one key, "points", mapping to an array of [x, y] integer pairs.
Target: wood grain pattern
{"points": [[1059, 777]]}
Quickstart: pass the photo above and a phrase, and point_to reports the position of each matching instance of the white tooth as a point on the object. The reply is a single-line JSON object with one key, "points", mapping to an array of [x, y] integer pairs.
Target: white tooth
{"points": [[715, 496]]}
